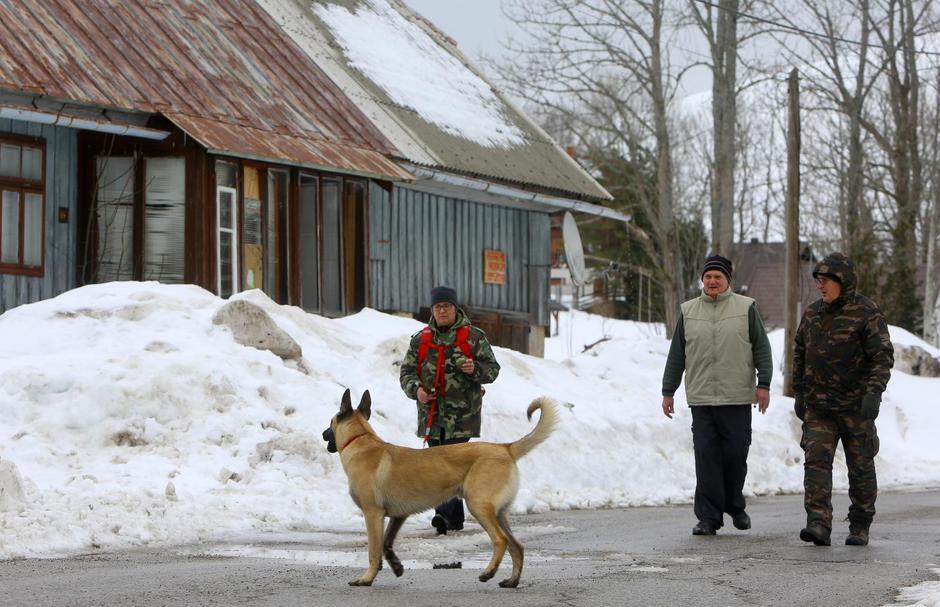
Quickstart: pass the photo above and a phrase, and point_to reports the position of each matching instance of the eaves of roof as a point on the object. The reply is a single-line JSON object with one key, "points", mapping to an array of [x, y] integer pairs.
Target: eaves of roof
{"points": [[220, 69]]}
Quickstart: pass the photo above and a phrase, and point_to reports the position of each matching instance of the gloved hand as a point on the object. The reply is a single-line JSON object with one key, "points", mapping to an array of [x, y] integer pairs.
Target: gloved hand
{"points": [[871, 404], [799, 408]]}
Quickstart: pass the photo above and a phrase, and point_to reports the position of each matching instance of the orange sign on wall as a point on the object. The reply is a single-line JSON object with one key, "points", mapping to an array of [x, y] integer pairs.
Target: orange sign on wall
{"points": [[494, 267]]}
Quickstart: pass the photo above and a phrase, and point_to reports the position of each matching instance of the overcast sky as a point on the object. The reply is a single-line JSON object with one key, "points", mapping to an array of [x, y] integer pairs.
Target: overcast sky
{"points": [[478, 26]]}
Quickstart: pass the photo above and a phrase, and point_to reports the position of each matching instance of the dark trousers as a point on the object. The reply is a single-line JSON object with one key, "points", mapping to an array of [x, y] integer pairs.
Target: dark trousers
{"points": [[452, 509], [721, 436]]}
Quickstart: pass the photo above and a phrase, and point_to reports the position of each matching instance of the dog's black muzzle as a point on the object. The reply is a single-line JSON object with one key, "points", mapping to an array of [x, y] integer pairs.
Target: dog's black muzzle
{"points": [[330, 439]]}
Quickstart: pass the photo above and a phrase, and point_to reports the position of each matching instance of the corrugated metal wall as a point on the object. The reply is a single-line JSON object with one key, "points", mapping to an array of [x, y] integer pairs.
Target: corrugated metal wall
{"points": [[61, 191], [420, 240]]}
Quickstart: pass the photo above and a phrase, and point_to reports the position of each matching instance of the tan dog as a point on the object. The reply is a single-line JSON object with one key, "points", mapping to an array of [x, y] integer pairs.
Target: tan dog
{"points": [[387, 480]]}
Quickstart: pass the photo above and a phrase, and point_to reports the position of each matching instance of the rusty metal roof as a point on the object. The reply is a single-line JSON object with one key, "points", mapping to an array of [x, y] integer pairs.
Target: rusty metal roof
{"points": [[220, 69]]}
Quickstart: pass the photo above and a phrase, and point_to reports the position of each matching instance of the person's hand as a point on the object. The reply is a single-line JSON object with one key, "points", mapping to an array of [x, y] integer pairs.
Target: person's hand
{"points": [[871, 404], [423, 396], [468, 366], [763, 399], [669, 406], [799, 408]]}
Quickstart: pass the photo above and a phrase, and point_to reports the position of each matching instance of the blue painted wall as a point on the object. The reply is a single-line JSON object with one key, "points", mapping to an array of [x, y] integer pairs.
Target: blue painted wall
{"points": [[60, 238], [419, 240]]}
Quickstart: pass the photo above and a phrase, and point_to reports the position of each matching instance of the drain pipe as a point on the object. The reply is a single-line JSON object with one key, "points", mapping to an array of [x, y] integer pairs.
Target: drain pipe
{"points": [[75, 122]]}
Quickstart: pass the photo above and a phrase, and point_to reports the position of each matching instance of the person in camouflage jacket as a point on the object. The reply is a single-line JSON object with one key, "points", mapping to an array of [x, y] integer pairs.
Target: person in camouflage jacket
{"points": [[842, 362], [454, 403]]}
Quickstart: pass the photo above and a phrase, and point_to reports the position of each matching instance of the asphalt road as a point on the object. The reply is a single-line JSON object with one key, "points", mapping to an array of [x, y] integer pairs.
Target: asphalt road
{"points": [[636, 556]]}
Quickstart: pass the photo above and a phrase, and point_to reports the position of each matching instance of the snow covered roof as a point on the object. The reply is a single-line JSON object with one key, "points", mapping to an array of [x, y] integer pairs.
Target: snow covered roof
{"points": [[423, 94]]}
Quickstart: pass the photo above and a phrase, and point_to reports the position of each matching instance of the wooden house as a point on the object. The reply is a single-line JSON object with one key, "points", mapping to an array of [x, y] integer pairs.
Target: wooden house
{"points": [[246, 144]]}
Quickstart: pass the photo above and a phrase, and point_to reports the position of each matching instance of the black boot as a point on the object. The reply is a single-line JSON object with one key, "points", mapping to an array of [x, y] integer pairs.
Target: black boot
{"points": [[817, 534], [703, 528], [741, 520], [858, 535]]}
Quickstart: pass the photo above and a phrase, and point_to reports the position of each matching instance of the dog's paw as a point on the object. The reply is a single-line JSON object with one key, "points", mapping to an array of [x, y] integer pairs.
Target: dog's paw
{"points": [[360, 582], [487, 576], [509, 583], [398, 569]]}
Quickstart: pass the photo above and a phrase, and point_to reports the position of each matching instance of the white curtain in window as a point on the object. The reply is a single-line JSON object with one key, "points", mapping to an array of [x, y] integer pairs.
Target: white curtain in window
{"points": [[32, 163], [10, 238], [10, 160], [32, 230], [164, 219]]}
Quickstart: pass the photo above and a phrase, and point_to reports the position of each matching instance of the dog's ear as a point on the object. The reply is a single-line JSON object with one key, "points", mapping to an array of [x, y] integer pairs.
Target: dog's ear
{"points": [[345, 405], [365, 405]]}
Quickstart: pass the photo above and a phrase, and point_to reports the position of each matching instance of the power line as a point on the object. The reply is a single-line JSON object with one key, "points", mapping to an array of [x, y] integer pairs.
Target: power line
{"points": [[806, 32]]}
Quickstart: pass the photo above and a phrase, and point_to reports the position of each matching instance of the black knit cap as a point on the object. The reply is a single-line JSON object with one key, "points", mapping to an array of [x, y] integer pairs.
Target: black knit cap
{"points": [[717, 262], [443, 294]]}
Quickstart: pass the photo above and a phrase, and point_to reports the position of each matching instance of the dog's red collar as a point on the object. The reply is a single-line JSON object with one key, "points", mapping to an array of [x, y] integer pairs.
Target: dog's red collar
{"points": [[351, 440]]}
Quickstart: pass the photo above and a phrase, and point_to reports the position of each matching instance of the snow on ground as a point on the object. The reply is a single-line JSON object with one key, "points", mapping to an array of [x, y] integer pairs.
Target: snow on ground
{"points": [[926, 594], [130, 419]]}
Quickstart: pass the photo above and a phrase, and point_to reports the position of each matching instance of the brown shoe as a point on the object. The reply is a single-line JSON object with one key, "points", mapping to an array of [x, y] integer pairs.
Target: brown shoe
{"points": [[858, 535], [817, 534]]}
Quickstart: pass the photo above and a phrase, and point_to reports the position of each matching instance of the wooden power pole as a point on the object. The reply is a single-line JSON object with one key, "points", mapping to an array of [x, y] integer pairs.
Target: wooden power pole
{"points": [[793, 229]]}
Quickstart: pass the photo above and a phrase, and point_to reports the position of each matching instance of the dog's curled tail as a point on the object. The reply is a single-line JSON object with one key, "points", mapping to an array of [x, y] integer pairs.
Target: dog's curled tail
{"points": [[547, 420]]}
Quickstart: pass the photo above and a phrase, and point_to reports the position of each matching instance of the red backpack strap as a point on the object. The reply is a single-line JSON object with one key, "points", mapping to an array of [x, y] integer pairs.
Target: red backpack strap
{"points": [[423, 347], [461, 341]]}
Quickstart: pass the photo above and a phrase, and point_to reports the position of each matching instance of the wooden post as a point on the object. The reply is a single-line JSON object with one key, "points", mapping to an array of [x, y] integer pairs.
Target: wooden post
{"points": [[793, 229]]}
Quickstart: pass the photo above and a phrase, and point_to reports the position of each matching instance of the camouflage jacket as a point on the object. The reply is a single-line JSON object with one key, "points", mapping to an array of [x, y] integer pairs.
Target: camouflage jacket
{"points": [[842, 349], [458, 411]]}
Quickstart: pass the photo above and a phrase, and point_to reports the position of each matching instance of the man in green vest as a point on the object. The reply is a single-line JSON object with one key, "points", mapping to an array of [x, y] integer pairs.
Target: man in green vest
{"points": [[719, 343]]}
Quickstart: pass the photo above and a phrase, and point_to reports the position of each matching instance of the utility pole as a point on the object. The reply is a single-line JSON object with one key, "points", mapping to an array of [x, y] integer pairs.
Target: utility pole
{"points": [[793, 228]]}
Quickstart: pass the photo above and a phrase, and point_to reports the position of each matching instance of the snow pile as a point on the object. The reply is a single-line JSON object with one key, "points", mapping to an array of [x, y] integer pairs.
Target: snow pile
{"points": [[130, 418]]}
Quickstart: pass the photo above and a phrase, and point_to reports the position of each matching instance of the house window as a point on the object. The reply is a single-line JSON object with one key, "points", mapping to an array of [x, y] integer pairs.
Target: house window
{"points": [[227, 222], [228, 240], [164, 219], [276, 266], [140, 226], [309, 244], [332, 248], [22, 184]]}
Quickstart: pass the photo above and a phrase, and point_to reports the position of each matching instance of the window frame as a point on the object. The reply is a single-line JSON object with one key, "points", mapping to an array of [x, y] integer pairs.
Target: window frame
{"points": [[139, 203], [234, 231], [22, 187]]}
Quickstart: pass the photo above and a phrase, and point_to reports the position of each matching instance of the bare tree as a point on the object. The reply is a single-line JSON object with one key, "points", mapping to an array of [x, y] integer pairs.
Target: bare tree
{"points": [[838, 79], [931, 331], [602, 68], [719, 23], [897, 31]]}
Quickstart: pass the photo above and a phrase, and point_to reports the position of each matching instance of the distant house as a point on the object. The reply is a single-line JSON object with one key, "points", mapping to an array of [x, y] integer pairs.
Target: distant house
{"points": [[760, 273], [328, 153]]}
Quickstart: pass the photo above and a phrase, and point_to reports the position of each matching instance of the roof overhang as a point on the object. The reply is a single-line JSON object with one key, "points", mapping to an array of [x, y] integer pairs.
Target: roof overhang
{"points": [[43, 110], [449, 184], [305, 151]]}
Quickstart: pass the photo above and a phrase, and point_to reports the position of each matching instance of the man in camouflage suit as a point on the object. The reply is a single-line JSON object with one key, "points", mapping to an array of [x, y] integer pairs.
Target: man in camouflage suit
{"points": [[842, 362], [447, 387]]}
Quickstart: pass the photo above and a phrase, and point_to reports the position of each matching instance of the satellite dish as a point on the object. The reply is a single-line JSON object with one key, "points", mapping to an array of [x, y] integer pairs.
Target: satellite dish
{"points": [[574, 251]]}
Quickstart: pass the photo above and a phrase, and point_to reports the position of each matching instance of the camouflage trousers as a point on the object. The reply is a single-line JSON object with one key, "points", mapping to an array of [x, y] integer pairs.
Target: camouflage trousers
{"points": [[822, 432]]}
